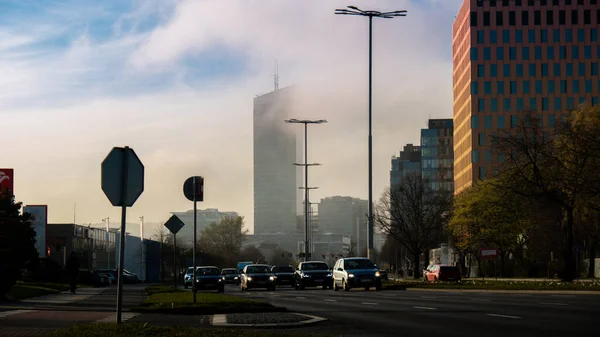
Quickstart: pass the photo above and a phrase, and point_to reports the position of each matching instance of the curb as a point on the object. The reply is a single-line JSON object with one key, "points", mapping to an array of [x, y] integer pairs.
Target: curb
{"points": [[221, 320], [491, 291]]}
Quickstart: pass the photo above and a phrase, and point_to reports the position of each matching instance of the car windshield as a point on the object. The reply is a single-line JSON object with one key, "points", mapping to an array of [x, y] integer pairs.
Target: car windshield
{"points": [[189, 271], [358, 264], [207, 271], [257, 270], [314, 266], [283, 269], [229, 271]]}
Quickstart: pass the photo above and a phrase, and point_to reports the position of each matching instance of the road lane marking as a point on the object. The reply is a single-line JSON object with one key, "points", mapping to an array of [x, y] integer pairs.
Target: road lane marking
{"points": [[504, 316], [124, 317], [329, 300], [553, 303], [14, 312], [370, 303], [300, 297], [426, 308]]}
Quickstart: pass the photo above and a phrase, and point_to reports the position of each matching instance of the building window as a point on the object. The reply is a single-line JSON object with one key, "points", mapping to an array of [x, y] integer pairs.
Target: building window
{"points": [[563, 86], [513, 121], [581, 69], [473, 54], [486, 19], [482, 138], [480, 105], [595, 100], [493, 70], [500, 122], [569, 35], [575, 52], [499, 53], [563, 52], [551, 120], [480, 70], [562, 17], [519, 70], [544, 103], [587, 17], [587, 52], [525, 18], [480, 36], [487, 87], [538, 53], [519, 104], [493, 36], [526, 87], [556, 69], [537, 18], [581, 100], [570, 103], [594, 34], [576, 86], [545, 69], [499, 18], [556, 35], [512, 18], [532, 104], [501, 157], [500, 87], [580, 35], [544, 35], [551, 86], [538, 87], [507, 104], [474, 89], [531, 36], [588, 86], [525, 52], [549, 18], [512, 53], [475, 156], [532, 69], [595, 72], [486, 53], [574, 17], [494, 102], [569, 69], [474, 122], [519, 36], [513, 87], [488, 156], [506, 70], [481, 173], [557, 105]]}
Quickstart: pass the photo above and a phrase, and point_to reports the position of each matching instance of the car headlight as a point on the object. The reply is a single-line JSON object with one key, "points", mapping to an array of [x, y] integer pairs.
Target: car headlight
{"points": [[272, 278], [235, 278], [249, 278], [350, 275], [329, 275], [223, 278], [305, 275], [377, 274], [220, 280]]}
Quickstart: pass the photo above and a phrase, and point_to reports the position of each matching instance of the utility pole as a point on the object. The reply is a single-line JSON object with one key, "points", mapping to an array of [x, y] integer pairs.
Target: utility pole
{"points": [[107, 222], [306, 188]]}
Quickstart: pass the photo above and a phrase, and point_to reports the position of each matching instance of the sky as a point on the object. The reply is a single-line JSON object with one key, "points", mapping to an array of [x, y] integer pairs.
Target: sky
{"points": [[175, 80]]}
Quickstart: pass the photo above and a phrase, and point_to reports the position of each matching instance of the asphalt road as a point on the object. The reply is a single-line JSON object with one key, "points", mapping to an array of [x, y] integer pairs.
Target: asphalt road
{"points": [[414, 313]]}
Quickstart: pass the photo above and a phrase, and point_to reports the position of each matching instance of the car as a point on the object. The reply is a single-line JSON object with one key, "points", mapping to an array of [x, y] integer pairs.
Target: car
{"points": [[187, 278], [284, 275], [312, 274], [383, 274], [356, 272], [257, 276], [442, 272], [209, 278], [230, 276]]}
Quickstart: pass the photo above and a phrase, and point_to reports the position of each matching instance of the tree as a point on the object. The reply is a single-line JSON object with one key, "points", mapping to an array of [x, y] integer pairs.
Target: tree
{"points": [[224, 239], [414, 215], [17, 242], [165, 238], [251, 253]]}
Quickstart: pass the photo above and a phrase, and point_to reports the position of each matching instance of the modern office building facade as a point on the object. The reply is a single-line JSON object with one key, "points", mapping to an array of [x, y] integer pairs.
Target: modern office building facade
{"points": [[345, 216], [409, 162], [276, 180], [204, 217], [512, 56], [437, 155]]}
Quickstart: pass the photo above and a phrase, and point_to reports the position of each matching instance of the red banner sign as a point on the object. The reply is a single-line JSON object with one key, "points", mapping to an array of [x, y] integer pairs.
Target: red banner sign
{"points": [[6, 179]]}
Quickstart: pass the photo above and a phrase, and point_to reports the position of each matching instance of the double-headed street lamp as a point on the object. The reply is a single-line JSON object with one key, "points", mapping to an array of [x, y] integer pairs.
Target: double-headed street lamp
{"points": [[306, 165], [353, 10]]}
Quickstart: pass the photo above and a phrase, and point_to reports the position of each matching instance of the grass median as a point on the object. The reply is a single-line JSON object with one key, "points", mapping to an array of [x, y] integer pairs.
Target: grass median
{"points": [[23, 290], [495, 285], [145, 330], [163, 299]]}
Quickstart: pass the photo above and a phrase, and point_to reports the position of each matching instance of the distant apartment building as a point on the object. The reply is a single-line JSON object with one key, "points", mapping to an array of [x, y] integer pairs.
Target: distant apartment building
{"points": [[276, 180], [409, 162], [204, 218], [346, 216], [437, 155], [515, 56]]}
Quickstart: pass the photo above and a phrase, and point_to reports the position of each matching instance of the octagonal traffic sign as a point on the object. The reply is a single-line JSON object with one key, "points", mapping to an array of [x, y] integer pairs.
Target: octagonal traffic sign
{"points": [[122, 176]]}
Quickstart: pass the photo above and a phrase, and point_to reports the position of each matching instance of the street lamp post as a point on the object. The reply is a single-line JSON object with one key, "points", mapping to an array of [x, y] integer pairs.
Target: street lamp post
{"points": [[353, 10], [306, 188], [107, 221]]}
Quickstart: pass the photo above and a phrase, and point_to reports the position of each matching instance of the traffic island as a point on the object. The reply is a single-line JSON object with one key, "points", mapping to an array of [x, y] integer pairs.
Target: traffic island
{"points": [[505, 286], [283, 319], [166, 300]]}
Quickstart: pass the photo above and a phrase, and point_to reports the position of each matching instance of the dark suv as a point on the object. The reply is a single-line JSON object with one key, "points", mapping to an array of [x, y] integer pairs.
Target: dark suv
{"points": [[312, 274], [284, 275]]}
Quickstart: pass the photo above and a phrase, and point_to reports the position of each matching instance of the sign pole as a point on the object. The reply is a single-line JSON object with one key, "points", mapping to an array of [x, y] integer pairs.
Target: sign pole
{"points": [[194, 249], [175, 259], [124, 159]]}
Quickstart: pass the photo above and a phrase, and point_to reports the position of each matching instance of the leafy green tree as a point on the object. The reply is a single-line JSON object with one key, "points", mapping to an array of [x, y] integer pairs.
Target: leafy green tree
{"points": [[224, 239], [17, 242]]}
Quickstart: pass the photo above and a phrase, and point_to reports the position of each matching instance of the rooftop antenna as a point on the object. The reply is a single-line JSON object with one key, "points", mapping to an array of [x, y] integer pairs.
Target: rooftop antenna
{"points": [[276, 75]]}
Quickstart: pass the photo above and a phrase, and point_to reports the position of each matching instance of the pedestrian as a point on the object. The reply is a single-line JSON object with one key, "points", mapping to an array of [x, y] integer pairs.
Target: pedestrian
{"points": [[72, 268]]}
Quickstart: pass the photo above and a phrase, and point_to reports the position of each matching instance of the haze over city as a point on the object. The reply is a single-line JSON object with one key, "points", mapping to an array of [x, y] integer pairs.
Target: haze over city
{"points": [[176, 82]]}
